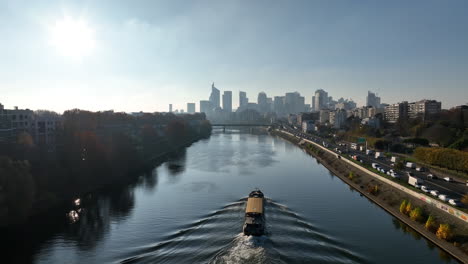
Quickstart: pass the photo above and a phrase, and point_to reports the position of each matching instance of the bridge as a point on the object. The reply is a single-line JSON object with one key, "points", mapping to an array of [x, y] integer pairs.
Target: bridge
{"points": [[224, 125]]}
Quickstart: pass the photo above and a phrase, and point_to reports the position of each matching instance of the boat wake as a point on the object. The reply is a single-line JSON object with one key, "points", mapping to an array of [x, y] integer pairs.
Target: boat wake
{"points": [[217, 238]]}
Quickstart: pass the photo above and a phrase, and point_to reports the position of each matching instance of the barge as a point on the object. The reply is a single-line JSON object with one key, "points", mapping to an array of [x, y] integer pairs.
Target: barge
{"points": [[254, 224]]}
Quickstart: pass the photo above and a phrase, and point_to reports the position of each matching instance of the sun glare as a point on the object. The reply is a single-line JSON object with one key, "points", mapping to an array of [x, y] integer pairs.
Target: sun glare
{"points": [[72, 38]]}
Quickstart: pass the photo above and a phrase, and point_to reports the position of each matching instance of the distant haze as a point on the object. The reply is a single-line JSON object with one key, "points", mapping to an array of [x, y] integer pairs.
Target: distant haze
{"points": [[144, 55]]}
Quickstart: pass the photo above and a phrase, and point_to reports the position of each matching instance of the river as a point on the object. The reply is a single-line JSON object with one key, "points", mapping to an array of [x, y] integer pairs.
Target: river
{"points": [[190, 210]]}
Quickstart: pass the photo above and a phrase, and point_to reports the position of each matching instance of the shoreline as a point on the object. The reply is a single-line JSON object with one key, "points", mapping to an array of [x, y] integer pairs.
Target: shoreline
{"points": [[449, 248], [65, 204]]}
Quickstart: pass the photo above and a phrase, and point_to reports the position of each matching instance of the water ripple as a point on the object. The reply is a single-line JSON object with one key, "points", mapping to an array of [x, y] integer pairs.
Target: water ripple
{"points": [[216, 238]]}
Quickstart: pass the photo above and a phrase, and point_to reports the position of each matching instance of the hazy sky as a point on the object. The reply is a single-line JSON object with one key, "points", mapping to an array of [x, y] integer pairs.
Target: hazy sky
{"points": [[143, 55]]}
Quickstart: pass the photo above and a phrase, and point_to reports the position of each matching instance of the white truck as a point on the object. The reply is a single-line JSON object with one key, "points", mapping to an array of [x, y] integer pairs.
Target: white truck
{"points": [[413, 181], [410, 165], [362, 148], [378, 155], [393, 159]]}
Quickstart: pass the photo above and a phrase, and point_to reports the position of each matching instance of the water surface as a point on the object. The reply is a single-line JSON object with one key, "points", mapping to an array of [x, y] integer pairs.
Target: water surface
{"points": [[190, 210]]}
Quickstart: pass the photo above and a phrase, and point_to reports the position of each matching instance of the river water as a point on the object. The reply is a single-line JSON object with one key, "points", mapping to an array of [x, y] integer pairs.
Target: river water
{"points": [[190, 210]]}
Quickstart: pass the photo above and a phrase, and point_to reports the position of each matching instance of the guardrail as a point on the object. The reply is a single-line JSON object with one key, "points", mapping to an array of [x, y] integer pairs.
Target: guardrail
{"points": [[429, 200]]}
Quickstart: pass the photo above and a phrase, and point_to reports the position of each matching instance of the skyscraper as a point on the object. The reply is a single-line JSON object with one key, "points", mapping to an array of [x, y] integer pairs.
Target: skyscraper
{"points": [[372, 100], [214, 97], [278, 105], [262, 102], [321, 100], [170, 108], [227, 101], [243, 100], [190, 108], [205, 106]]}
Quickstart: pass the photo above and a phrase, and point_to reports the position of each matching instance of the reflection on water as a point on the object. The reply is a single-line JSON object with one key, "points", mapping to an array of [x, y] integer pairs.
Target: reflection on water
{"points": [[169, 215]]}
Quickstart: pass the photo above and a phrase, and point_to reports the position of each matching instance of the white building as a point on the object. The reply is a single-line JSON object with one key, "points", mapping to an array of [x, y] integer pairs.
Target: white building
{"points": [[309, 126], [324, 116]]}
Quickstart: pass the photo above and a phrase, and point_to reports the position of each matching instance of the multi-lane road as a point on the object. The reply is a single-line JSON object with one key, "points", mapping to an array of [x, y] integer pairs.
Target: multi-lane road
{"points": [[454, 189]]}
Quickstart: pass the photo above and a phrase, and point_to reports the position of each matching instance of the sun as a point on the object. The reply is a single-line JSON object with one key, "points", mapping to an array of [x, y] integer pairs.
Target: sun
{"points": [[73, 38]]}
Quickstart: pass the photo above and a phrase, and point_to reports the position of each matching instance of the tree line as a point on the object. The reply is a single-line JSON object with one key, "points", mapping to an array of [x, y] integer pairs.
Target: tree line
{"points": [[443, 157], [93, 150]]}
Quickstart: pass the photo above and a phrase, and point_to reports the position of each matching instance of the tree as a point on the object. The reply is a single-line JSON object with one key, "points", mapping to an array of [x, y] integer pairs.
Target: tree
{"points": [[381, 144], [403, 206], [444, 232], [399, 165], [465, 199], [417, 214], [19, 188], [408, 208], [431, 224]]}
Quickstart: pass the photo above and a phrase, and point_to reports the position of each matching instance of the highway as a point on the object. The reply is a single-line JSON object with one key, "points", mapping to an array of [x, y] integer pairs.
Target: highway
{"points": [[454, 189]]}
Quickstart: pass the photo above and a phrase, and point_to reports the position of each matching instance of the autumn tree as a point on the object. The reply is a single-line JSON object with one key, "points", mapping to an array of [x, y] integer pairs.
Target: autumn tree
{"points": [[417, 214], [431, 224], [403, 206], [444, 232]]}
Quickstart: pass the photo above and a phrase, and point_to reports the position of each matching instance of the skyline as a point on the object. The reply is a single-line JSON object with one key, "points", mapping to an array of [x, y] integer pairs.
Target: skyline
{"points": [[169, 52]]}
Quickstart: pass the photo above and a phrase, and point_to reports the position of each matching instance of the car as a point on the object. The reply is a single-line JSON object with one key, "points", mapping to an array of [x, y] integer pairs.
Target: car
{"points": [[417, 186], [431, 176], [434, 193], [448, 179], [389, 173], [395, 175], [383, 171], [454, 202], [425, 189], [443, 197], [421, 169]]}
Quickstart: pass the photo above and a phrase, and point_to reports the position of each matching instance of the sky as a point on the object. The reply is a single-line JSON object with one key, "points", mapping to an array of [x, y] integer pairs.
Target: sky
{"points": [[143, 55]]}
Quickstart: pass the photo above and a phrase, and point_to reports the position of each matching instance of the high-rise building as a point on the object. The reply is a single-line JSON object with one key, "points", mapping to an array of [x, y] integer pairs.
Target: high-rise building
{"points": [[262, 102], [396, 111], [214, 97], [170, 108], [278, 105], [243, 100], [227, 101], [372, 100], [321, 100], [312, 105], [424, 109], [205, 107], [190, 108], [294, 103]]}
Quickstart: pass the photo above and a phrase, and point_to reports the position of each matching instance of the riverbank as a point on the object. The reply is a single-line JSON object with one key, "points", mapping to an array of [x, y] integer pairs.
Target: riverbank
{"points": [[388, 198], [43, 205]]}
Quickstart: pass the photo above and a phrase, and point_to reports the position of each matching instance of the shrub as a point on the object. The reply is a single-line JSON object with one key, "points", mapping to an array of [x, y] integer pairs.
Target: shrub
{"points": [[444, 232], [417, 214], [431, 224], [403, 206], [443, 157]]}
